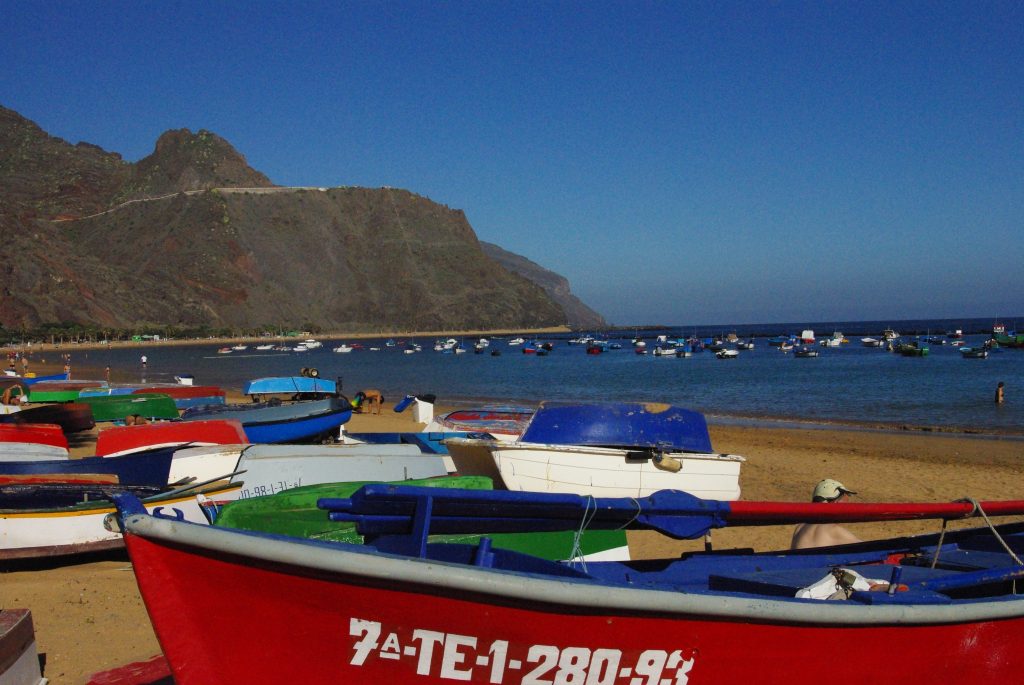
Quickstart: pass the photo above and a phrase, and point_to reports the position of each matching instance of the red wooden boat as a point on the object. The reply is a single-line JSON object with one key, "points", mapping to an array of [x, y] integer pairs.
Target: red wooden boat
{"points": [[37, 433], [422, 613], [177, 391], [72, 417], [126, 439], [186, 396], [19, 660]]}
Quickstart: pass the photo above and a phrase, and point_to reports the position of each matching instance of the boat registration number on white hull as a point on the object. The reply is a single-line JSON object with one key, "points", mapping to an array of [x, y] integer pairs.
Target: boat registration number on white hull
{"points": [[467, 658]]}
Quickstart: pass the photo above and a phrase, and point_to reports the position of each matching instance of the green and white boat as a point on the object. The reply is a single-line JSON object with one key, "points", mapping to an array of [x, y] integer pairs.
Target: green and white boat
{"points": [[119, 407], [294, 513]]}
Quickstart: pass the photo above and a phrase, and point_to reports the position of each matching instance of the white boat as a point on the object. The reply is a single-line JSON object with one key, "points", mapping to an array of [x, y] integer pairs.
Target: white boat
{"points": [[871, 342], [265, 347], [240, 347], [836, 340], [517, 341], [267, 469], [727, 354], [889, 334], [19, 656], [807, 336], [198, 464], [664, 351], [343, 349], [35, 533], [31, 451], [311, 344], [567, 449]]}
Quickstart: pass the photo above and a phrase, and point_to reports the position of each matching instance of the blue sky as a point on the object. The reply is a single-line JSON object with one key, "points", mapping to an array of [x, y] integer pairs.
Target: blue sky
{"points": [[679, 163]]}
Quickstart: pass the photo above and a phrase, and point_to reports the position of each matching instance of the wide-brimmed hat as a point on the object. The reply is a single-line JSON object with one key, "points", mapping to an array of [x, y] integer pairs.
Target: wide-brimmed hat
{"points": [[829, 489]]}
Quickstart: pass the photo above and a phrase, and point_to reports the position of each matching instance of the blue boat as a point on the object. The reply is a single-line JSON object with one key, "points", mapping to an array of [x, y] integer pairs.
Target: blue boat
{"points": [[143, 473], [291, 385], [103, 392], [32, 380], [430, 442], [277, 422], [633, 425]]}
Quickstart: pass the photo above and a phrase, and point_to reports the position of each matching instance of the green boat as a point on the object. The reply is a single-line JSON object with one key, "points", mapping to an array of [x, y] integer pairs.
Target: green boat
{"points": [[41, 394], [294, 513], [912, 349], [118, 407], [1005, 340]]}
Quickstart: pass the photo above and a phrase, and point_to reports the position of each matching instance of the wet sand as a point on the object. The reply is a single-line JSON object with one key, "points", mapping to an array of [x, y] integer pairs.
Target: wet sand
{"points": [[89, 616]]}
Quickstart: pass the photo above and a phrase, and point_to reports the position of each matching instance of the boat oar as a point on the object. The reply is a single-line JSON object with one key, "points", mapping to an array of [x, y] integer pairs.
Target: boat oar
{"points": [[382, 509], [772, 513]]}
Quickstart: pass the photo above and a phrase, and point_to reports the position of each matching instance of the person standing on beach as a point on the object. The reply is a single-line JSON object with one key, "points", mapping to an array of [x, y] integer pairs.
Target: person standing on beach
{"points": [[809, 535], [24, 364], [999, 393]]}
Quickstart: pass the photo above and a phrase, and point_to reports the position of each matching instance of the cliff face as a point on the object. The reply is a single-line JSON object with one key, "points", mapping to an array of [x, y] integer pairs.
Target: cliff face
{"points": [[577, 314], [191, 235]]}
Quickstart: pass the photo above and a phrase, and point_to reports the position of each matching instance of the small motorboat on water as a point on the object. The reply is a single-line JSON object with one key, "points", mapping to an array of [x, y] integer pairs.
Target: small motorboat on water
{"points": [[727, 354]]}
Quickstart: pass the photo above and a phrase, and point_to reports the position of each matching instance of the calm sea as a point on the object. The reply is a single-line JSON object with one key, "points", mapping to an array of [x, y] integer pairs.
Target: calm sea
{"points": [[851, 383]]}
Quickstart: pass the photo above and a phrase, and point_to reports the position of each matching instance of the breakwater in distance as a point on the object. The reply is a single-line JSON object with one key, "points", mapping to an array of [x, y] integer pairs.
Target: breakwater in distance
{"points": [[847, 384]]}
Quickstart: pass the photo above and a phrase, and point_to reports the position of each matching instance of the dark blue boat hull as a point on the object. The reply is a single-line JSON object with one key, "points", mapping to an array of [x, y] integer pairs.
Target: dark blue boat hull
{"points": [[142, 472], [278, 423]]}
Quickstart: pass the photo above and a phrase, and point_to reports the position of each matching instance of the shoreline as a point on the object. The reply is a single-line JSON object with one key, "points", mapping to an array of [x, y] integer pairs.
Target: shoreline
{"points": [[333, 335], [715, 418]]}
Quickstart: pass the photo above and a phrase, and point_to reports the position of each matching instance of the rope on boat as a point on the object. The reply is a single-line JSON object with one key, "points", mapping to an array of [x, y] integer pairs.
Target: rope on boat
{"points": [[576, 554], [636, 514], [979, 510], [938, 547], [975, 511]]}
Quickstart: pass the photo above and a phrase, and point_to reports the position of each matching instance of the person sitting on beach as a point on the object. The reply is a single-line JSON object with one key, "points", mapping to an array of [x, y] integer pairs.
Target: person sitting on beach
{"points": [[371, 397], [809, 535]]}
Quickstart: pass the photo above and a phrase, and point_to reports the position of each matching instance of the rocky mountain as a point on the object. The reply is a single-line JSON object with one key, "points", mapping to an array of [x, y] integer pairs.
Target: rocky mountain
{"points": [[578, 315], [191, 235]]}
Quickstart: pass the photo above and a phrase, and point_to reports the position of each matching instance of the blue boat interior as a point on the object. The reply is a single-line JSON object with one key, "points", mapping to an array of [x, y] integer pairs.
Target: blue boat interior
{"points": [[430, 442], [968, 564]]}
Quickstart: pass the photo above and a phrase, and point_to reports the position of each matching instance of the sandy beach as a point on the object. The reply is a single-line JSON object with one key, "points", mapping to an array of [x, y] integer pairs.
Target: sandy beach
{"points": [[89, 616]]}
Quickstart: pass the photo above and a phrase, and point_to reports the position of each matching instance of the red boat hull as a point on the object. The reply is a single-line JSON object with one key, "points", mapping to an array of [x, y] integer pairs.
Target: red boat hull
{"points": [[323, 626], [183, 391], [125, 439], [38, 433], [72, 417]]}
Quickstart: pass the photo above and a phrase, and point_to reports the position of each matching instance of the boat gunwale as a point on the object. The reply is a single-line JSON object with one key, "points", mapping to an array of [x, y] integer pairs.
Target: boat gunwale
{"points": [[546, 594], [589, 449]]}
